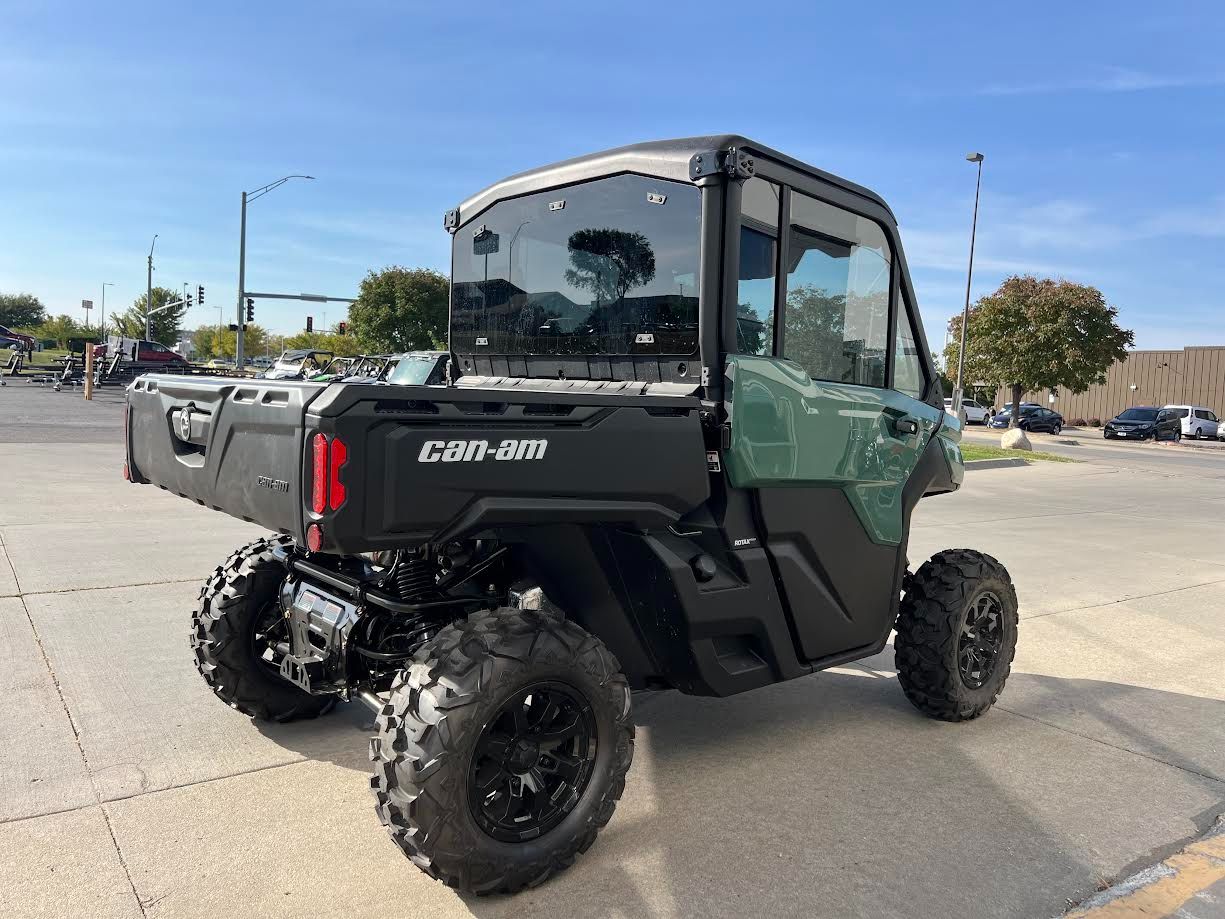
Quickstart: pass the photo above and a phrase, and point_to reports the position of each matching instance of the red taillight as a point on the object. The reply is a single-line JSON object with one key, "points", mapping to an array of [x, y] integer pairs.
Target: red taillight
{"points": [[338, 455], [319, 474], [314, 537]]}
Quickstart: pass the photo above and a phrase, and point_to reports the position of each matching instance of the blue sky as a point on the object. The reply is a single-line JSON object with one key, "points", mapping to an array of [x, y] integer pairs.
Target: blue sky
{"points": [[1103, 126]]}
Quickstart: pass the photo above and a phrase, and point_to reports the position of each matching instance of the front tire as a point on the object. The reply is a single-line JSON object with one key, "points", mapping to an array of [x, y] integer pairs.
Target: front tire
{"points": [[956, 634], [231, 630], [502, 750]]}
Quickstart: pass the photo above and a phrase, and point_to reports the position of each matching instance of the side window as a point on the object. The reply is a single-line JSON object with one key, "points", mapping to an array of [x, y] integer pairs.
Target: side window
{"points": [[758, 267], [838, 279], [1200, 413], [1212, 416], [908, 375]]}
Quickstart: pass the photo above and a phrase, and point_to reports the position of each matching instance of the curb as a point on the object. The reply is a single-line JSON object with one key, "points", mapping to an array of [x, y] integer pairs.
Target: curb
{"points": [[1163, 889], [1007, 463]]}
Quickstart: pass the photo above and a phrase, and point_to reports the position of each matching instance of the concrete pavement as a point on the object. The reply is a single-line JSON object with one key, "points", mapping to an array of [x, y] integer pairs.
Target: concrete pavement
{"points": [[126, 789]]}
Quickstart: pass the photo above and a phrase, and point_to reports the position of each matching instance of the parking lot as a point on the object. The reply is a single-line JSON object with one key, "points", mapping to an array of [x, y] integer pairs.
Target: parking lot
{"points": [[128, 790]]}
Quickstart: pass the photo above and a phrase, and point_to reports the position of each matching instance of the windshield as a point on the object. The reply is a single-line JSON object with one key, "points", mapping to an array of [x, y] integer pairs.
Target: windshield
{"points": [[413, 369], [1139, 414], [605, 267]]}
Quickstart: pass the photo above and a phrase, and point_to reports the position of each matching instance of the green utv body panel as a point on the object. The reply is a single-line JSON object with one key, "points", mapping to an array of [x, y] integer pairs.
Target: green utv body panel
{"points": [[788, 429]]}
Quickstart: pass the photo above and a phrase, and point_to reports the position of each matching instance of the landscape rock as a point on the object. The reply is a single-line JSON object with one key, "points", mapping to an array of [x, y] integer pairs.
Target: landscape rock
{"points": [[1015, 439]]}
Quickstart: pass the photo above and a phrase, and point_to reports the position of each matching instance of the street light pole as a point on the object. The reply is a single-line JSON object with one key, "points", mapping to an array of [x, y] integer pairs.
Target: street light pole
{"points": [[102, 324], [242, 258], [959, 392], [149, 293]]}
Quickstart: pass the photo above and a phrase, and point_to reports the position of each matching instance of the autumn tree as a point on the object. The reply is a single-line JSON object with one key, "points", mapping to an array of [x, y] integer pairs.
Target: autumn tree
{"points": [[1036, 334]]}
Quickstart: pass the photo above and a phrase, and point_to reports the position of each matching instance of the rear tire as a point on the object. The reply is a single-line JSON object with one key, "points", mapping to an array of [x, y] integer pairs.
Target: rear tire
{"points": [[234, 604], [459, 727], [956, 634]]}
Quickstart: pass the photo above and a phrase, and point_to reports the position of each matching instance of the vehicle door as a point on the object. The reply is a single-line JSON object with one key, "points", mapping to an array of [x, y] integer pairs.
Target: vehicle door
{"points": [[824, 387]]}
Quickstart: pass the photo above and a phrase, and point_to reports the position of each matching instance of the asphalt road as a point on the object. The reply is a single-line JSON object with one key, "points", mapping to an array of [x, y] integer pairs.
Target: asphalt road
{"points": [[128, 790], [1203, 458]]}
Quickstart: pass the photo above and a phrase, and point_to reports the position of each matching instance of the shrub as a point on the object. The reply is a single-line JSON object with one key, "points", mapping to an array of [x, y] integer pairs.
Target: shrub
{"points": [[1095, 422], [1077, 422]]}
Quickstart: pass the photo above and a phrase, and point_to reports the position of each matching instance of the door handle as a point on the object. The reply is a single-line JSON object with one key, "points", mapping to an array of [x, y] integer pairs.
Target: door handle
{"points": [[906, 426]]}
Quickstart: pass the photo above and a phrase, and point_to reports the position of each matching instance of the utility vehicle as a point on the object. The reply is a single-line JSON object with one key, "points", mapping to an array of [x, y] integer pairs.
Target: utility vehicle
{"points": [[688, 412]]}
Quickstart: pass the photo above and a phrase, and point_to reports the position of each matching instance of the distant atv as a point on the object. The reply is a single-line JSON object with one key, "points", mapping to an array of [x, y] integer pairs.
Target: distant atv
{"points": [[689, 411]]}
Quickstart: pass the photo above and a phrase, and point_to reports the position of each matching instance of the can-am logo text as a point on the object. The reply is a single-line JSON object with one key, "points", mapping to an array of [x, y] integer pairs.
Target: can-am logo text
{"points": [[473, 451]]}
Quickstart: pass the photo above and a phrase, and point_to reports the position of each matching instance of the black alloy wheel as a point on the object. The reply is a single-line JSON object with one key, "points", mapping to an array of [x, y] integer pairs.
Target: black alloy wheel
{"points": [[532, 762], [982, 637]]}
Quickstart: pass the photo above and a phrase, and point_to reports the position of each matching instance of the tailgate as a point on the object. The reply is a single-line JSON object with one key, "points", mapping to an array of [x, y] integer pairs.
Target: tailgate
{"points": [[233, 445]]}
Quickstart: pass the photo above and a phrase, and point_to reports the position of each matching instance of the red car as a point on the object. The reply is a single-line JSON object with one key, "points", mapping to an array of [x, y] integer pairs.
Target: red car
{"points": [[140, 350], [27, 341]]}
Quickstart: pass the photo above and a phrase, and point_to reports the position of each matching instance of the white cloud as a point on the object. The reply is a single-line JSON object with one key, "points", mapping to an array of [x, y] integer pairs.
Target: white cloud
{"points": [[1114, 80]]}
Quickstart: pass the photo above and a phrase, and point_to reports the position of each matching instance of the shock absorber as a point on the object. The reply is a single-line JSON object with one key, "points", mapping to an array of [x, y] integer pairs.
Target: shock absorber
{"points": [[414, 575]]}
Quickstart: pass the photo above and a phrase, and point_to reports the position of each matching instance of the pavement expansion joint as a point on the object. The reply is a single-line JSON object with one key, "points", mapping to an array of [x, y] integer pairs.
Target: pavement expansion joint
{"points": [[76, 736]]}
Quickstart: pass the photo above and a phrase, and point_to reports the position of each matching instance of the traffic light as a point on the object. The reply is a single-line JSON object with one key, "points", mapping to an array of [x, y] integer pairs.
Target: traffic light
{"points": [[310, 323], [189, 299], [200, 295], [341, 327], [250, 310]]}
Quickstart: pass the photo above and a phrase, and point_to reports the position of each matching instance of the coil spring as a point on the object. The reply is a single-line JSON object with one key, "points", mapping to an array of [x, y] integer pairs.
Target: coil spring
{"points": [[414, 577]]}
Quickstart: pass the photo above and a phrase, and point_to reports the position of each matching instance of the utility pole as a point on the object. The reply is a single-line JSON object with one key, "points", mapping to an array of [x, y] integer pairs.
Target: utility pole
{"points": [[242, 257], [149, 293], [242, 281], [959, 392]]}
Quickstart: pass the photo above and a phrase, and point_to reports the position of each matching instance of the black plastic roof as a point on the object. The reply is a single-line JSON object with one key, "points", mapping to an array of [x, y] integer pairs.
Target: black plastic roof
{"points": [[668, 159]]}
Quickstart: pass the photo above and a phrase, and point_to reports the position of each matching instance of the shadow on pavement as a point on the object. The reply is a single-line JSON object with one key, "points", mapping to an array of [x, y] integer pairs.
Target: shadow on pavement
{"points": [[831, 796]]}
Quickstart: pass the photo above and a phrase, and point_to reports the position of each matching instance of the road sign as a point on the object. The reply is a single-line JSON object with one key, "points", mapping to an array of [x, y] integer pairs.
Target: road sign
{"points": [[87, 304]]}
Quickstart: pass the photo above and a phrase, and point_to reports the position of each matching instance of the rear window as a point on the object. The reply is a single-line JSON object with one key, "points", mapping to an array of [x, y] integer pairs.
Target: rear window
{"points": [[603, 267]]}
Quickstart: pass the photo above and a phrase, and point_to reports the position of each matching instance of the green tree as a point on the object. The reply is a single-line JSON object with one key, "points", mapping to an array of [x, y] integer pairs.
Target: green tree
{"points": [[1036, 334], [399, 309], [210, 341], [60, 329], [21, 311], [165, 325]]}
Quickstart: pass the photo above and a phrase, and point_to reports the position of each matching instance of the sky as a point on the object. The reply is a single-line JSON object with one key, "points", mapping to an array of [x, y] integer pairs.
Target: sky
{"points": [[1102, 126]]}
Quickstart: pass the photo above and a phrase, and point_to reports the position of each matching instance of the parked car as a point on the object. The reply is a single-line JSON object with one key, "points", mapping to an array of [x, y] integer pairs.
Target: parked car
{"points": [[220, 363], [1033, 418], [972, 412], [263, 362], [1142, 422], [1197, 421], [18, 341], [140, 351]]}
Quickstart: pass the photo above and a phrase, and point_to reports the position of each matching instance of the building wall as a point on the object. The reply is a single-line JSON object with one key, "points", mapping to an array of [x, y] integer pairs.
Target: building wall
{"points": [[1192, 376]]}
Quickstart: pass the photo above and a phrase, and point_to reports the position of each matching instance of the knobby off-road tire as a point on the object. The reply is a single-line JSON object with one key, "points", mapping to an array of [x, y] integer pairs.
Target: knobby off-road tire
{"points": [[232, 603], [441, 713], [936, 633]]}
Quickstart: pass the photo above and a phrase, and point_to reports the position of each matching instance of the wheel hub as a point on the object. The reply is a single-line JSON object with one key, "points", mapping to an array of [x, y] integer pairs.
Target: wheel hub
{"points": [[532, 762], [523, 756], [982, 638]]}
